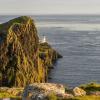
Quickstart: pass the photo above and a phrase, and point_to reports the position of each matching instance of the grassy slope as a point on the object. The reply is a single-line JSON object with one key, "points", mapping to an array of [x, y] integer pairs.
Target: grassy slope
{"points": [[85, 98]]}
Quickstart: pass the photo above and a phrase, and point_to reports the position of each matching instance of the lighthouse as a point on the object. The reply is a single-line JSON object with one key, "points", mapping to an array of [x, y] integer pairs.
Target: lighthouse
{"points": [[44, 39]]}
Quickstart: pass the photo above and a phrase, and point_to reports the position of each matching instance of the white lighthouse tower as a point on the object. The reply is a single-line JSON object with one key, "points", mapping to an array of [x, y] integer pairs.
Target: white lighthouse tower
{"points": [[44, 39]]}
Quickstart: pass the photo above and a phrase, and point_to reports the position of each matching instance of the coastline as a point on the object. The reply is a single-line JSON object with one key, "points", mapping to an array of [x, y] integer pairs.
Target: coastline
{"points": [[52, 91], [32, 61]]}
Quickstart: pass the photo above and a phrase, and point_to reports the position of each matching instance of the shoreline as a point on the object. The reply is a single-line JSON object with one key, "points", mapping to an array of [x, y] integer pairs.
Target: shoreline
{"points": [[26, 64], [82, 91]]}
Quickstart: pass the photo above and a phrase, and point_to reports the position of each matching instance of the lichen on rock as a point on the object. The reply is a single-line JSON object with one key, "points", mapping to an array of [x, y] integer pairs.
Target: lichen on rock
{"points": [[44, 89], [79, 92]]}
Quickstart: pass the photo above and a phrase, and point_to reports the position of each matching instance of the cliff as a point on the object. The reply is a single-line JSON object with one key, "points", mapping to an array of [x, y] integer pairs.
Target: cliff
{"points": [[23, 60]]}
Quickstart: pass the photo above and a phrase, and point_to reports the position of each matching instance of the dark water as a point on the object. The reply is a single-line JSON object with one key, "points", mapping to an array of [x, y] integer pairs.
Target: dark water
{"points": [[77, 38]]}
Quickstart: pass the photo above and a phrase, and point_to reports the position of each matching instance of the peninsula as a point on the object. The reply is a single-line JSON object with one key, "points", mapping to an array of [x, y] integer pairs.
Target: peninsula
{"points": [[25, 63]]}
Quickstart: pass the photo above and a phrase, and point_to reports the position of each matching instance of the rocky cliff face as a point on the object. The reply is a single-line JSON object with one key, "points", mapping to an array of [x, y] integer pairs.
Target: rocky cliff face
{"points": [[22, 59]]}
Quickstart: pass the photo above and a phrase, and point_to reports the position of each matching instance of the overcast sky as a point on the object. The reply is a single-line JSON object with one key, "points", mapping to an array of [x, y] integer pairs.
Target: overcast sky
{"points": [[49, 6]]}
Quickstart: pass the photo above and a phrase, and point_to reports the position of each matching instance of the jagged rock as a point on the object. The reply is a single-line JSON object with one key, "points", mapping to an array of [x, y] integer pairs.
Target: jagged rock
{"points": [[21, 60], [48, 55], [42, 90], [79, 92]]}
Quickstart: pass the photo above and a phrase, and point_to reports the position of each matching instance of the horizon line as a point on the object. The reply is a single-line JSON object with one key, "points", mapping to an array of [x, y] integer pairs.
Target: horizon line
{"points": [[1, 14], [44, 14]]}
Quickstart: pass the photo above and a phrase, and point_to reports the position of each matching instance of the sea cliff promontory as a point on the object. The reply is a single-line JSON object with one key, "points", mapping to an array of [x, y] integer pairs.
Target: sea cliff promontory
{"points": [[23, 60], [25, 64]]}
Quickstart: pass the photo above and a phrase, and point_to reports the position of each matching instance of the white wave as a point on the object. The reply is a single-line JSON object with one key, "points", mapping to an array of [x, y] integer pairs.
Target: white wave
{"points": [[71, 26]]}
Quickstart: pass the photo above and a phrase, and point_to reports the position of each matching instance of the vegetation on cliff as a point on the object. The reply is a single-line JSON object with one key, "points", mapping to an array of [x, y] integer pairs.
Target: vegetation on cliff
{"points": [[20, 54]]}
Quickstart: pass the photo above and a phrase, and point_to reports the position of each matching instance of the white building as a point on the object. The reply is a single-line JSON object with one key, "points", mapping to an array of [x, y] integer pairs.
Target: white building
{"points": [[43, 39]]}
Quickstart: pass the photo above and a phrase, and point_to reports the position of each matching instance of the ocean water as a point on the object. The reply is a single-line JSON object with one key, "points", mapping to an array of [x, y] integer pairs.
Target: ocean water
{"points": [[77, 39]]}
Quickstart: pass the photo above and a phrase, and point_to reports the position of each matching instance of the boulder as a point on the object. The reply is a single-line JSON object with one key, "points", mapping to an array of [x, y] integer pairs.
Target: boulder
{"points": [[78, 92], [42, 90]]}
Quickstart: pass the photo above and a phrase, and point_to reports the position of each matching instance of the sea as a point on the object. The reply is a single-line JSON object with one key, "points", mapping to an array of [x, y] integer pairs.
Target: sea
{"points": [[77, 39]]}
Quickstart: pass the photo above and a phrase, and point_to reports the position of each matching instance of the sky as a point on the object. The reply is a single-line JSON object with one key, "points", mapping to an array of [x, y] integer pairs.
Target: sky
{"points": [[49, 7]]}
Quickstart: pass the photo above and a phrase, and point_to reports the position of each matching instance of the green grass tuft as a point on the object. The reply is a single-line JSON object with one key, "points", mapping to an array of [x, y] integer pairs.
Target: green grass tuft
{"points": [[91, 87]]}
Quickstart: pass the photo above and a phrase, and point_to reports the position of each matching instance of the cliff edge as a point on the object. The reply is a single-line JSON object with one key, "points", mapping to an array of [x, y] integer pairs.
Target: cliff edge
{"points": [[23, 60]]}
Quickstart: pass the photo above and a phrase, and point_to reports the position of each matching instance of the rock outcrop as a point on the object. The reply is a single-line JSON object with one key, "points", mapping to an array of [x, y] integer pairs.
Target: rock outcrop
{"points": [[22, 58], [11, 92], [79, 92], [42, 90]]}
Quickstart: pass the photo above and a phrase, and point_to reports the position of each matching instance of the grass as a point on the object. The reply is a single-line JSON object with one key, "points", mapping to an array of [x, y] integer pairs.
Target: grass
{"points": [[7, 95], [52, 96], [11, 93], [16, 20], [87, 98], [91, 87], [84, 98]]}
